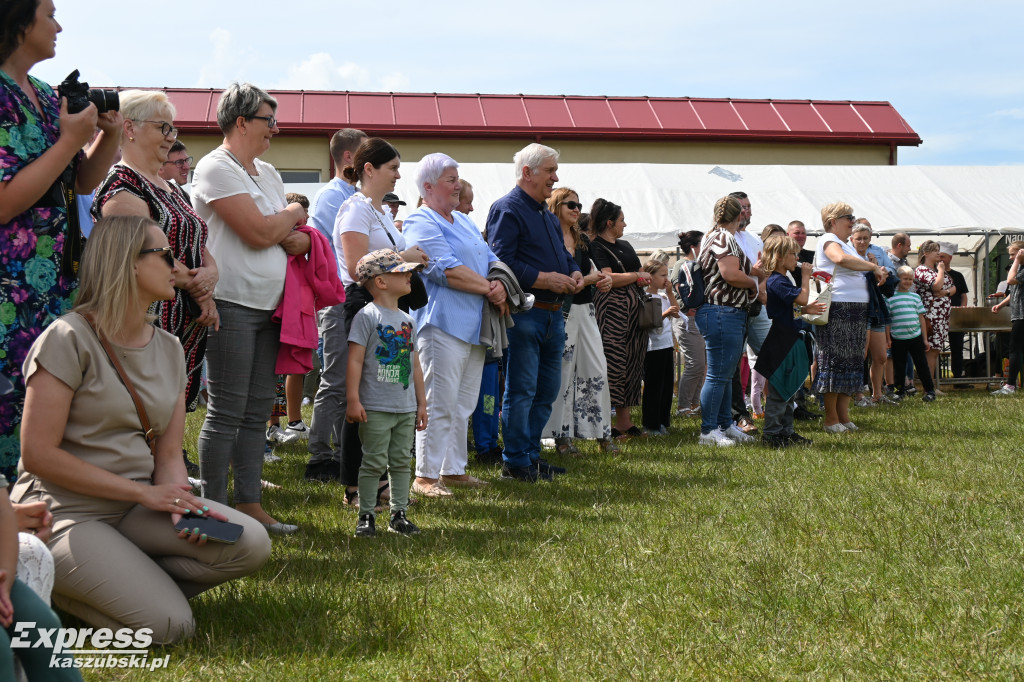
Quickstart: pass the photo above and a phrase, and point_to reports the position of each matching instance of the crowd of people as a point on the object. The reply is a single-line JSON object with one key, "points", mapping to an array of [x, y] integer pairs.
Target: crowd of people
{"points": [[413, 321]]}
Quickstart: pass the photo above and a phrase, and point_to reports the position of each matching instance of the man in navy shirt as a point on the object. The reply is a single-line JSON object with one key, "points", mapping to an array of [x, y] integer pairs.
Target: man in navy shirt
{"points": [[329, 405], [527, 237]]}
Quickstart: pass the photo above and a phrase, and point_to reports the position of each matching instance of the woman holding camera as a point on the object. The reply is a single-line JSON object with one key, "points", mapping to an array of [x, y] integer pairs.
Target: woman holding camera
{"points": [[40, 145], [134, 187], [118, 559]]}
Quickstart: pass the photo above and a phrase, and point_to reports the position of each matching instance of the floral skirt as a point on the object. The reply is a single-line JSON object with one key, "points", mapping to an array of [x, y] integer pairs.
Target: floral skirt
{"points": [[583, 408], [840, 352]]}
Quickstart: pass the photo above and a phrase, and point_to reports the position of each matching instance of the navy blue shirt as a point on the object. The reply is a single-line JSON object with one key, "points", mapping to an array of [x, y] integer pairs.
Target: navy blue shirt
{"points": [[526, 237], [781, 294]]}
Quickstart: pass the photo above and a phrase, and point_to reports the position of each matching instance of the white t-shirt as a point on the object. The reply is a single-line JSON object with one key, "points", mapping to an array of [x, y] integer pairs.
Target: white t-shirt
{"points": [[750, 243], [248, 276], [658, 339], [848, 286], [357, 214]]}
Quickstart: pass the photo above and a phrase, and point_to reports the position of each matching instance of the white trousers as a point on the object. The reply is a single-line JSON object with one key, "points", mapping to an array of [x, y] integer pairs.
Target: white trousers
{"points": [[451, 374]]}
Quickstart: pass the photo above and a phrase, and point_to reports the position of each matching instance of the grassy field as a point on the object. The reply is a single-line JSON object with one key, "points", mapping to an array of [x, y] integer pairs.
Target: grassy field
{"points": [[894, 552]]}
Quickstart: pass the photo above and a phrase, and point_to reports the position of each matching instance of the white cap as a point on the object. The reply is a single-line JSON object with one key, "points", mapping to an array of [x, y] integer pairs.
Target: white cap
{"points": [[947, 248]]}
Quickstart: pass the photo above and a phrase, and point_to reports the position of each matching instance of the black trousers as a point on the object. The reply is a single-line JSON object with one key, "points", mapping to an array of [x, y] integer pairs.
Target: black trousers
{"points": [[915, 347], [658, 384]]}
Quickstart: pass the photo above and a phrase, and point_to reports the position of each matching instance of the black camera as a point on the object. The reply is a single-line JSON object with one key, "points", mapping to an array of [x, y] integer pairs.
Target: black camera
{"points": [[79, 95]]}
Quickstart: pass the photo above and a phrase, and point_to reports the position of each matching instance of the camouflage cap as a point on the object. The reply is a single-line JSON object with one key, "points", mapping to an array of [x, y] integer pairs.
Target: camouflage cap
{"points": [[380, 262]]}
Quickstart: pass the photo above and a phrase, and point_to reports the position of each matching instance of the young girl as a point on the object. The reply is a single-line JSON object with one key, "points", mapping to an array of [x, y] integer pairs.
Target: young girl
{"points": [[908, 321], [658, 384], [1015, 299], [780, 258]]}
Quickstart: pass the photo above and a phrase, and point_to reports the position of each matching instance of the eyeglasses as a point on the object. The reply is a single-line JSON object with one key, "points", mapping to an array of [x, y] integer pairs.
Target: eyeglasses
{"points": [[573, 205], [852, 217], [181, 163], [271, 120], [165, 250], [166, 129]]}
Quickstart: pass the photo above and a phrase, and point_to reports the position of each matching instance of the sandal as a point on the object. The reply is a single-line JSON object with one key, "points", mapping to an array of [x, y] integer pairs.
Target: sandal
{"points": [[352, 497], [383, 497], [564, 446]]}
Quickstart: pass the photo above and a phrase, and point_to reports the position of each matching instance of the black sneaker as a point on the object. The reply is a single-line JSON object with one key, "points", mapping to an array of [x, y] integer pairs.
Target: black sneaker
{"points": [[401, 525], [910, 390], [366, 527], [190, 467], [802, 413], [797, 439], [774, 440], [929, 397], [325, 472], [544, 467], [528, 474], [492, 456]]}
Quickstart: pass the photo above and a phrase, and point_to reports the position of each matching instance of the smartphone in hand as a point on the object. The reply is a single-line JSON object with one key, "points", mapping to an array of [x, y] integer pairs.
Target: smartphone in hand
{"points": [[215, 529]]}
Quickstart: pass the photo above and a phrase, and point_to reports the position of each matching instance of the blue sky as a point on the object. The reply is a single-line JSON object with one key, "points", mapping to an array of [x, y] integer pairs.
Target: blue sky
{"points": [[954, 70]]}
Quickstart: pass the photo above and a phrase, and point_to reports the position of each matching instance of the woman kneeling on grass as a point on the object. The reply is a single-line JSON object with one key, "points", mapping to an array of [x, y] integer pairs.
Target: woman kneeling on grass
{"points": [[119, 561]]}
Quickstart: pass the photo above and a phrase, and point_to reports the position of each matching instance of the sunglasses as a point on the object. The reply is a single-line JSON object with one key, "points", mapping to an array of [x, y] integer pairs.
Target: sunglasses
{"points": [[165, 250], [181, 163], [166, 129], [271, 120], [573, 205], [852, 217]]}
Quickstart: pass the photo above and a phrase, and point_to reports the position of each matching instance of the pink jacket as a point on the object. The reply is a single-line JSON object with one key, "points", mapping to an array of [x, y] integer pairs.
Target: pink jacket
{"points": [[309, 285]]}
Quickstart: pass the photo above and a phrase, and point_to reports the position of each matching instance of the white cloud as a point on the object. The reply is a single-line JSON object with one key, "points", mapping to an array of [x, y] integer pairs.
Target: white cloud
{"points": [[229, 61], [394, 82], [321, 72]]}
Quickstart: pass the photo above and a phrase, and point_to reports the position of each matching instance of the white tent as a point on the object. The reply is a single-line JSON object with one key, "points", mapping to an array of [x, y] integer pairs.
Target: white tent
{"points": [[971, 206]]}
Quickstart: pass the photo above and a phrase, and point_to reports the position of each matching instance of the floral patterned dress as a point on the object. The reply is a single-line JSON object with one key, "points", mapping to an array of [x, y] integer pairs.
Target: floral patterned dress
{"points": [[33, 293], [936, 309]]}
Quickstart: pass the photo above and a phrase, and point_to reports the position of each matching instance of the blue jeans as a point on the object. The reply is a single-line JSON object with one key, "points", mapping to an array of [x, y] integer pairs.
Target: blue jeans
{"points": [[722, 328], [532, 382], [241, 358], [485, 418]]}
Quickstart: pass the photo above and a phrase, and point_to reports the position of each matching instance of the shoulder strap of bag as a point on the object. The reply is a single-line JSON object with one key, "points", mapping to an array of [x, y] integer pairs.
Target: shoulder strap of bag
{"points": [[612, 253], [147, 430]]}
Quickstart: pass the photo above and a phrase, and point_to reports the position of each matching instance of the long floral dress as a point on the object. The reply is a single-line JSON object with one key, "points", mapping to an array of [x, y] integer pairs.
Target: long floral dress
{"points": [[936, 308], [33, 292]]}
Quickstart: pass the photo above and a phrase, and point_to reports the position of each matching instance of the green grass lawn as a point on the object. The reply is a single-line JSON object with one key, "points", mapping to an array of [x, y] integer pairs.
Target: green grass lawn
{"points": [[894, 552]]}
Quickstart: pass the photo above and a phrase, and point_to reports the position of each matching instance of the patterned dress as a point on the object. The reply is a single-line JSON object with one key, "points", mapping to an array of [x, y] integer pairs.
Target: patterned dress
{"points": [[936, 309], [33, 293], [186, 233]]}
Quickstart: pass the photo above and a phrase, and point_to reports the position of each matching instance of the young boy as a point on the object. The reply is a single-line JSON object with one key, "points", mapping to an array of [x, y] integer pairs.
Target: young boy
{"points": [[382, 364], [905, 333], [780, 256]]}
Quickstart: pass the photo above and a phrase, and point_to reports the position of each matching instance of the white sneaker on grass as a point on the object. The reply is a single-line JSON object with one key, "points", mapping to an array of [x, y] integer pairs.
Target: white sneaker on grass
{"points": [[734, 433], [716, 437], [294, 432], [1006, 389]]}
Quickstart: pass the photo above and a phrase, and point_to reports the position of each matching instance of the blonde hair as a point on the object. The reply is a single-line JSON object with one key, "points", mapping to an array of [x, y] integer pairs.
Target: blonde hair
{"points": [[653, 265], [145, 105], [777, 247], [661, 255], [1017, 245], [927, 247], [905, 270], [727, 209], [107, 288], [833, 211]]}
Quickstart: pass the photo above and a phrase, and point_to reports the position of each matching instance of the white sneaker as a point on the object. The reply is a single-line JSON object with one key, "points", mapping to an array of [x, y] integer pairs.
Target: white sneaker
{"points": [[834, 428], [850, 426], [294, 433], [1006, 389], [716, 437], [734, 433], [274, 434], [864, 401]]}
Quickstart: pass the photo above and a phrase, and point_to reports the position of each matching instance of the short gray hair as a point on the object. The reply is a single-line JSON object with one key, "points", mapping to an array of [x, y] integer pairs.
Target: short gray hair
{"points": [[144, 105], [532, 156], [240, 100], [432, 167], [861, 227]]}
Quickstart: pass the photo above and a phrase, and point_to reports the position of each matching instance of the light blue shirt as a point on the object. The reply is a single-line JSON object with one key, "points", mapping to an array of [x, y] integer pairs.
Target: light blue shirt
{"points": [[324, 208], [455, 312], [882, 257]]}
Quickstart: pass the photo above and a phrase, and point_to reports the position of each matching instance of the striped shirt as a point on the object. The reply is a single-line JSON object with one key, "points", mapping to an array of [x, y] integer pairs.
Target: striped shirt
{"points": [[905, 308]]}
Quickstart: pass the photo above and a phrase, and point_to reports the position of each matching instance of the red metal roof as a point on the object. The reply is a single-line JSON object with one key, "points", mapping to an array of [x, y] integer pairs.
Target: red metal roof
{"points": [[545, 116]]}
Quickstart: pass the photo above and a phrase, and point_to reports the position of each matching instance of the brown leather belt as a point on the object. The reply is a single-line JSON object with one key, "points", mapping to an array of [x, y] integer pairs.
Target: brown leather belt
{"points": [[548, 305]]}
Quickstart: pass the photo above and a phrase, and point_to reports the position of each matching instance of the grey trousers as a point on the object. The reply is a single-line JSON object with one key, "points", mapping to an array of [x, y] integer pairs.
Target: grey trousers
{"points": [[241, 358], [330, 402], [778, 412], [694, 361]]}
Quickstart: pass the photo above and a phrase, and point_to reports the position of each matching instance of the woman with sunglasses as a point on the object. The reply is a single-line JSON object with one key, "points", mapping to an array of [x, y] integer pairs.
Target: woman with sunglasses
{"points": [[583, 408], [134, 187], [242, 200], [118, 560], [40, 146]]}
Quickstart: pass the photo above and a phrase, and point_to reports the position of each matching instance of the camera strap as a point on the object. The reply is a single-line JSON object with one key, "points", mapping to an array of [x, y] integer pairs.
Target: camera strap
{"points": [[71, 256]]}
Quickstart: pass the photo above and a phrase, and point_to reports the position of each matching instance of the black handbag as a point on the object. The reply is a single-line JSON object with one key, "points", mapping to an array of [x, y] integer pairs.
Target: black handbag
{"points": [[417, 297]]}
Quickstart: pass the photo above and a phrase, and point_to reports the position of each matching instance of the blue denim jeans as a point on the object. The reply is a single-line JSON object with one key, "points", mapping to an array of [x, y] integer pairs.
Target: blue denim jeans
{"points": [[532, 382], [723, 329], [485, 418]]}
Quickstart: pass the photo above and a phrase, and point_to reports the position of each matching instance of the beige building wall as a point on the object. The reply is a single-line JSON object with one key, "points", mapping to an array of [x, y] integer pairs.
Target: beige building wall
{"points": [[309, 153]]}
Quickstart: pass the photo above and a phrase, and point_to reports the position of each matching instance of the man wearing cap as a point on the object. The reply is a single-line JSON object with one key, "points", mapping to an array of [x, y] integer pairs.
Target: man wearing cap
{"points": [[329, 404], [527, 237], [956, 339], [393, 202]]}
